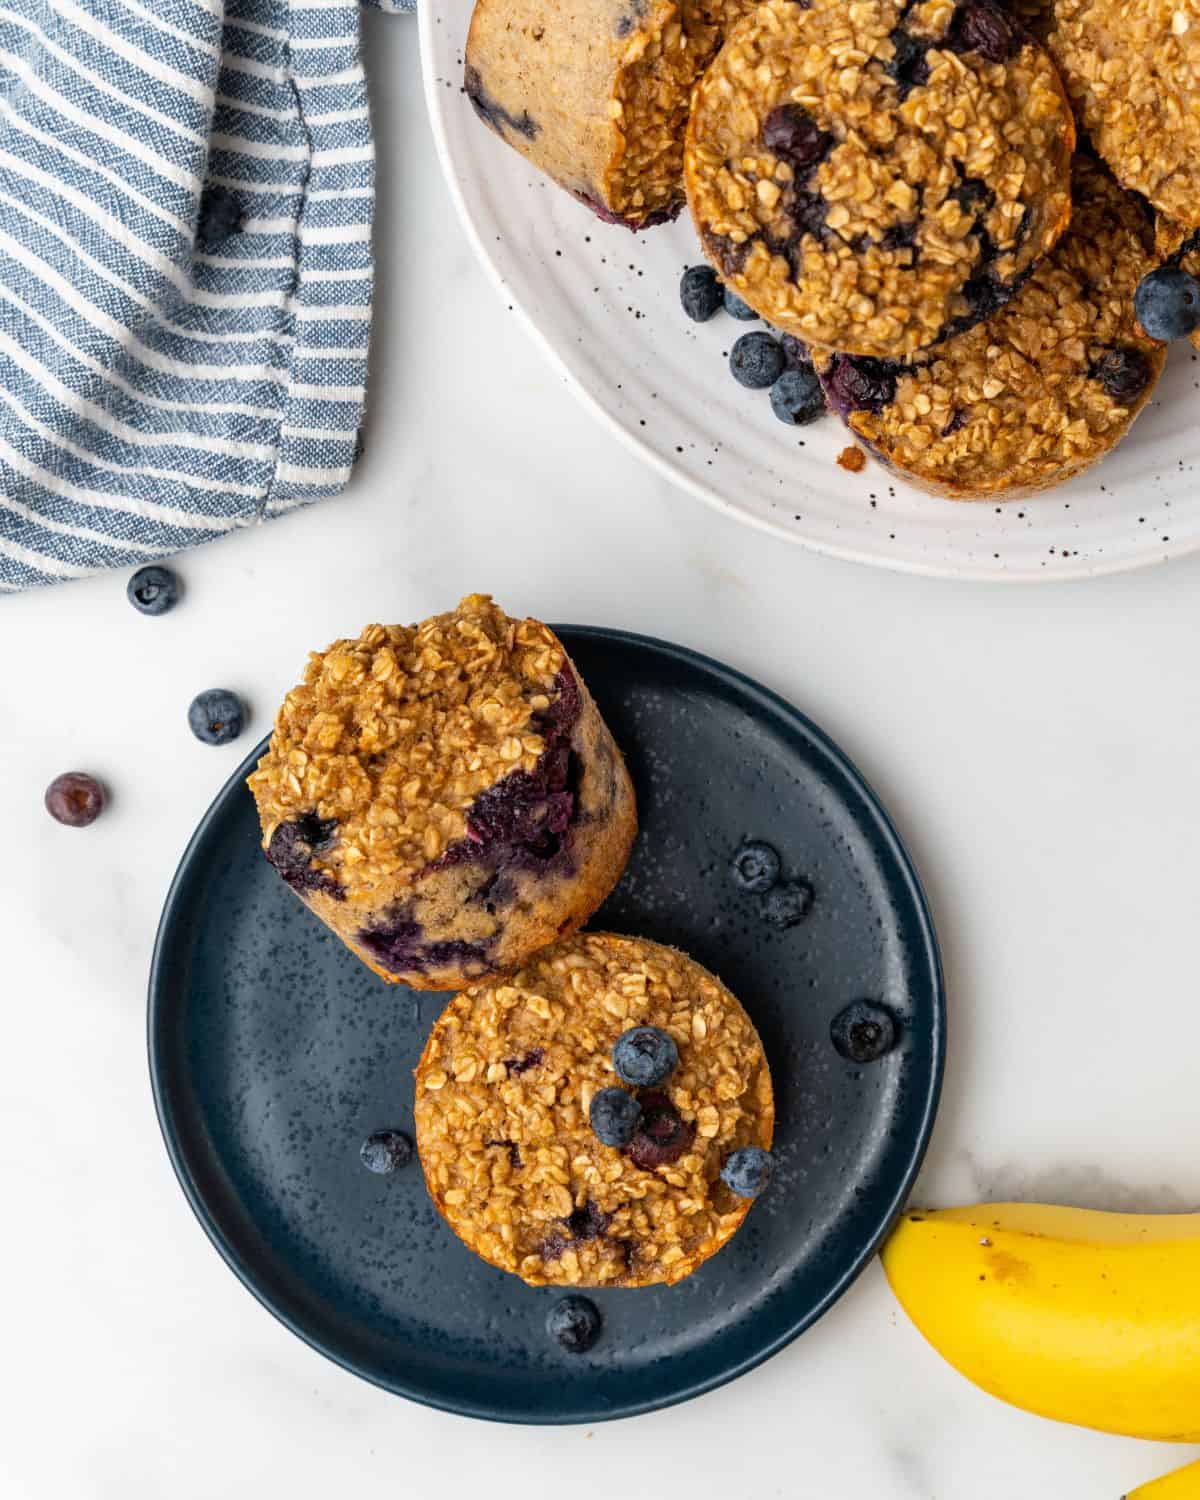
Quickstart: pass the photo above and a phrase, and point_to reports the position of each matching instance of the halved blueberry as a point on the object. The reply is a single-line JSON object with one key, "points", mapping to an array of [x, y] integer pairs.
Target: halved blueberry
{"points": [[75, 799]]}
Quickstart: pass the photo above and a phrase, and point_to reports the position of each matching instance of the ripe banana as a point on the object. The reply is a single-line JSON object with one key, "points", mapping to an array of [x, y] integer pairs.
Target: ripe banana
{"points": [[1180, 1484], [1086, 1317]]}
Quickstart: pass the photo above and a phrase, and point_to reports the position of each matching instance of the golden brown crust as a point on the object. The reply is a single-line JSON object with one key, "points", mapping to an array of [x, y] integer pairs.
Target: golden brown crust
{"points": [[446, 796], [917, 186], [1132, 69], [503, 1092], [1020, 403]]}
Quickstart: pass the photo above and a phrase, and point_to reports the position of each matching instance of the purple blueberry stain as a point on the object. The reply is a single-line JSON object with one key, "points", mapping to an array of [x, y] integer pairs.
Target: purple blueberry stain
{"points": [[1124, 373], [983, 26], [858, 383], [492, 113], [399, 945], [291, 849], [794, 136], [534, 1058], [663, 1136]]}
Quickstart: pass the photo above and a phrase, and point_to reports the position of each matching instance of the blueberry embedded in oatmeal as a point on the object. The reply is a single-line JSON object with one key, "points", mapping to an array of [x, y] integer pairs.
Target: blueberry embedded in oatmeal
{"points": [[869, 176], [594, 93], [620, 1191], [1040, 391], [445, 796]]}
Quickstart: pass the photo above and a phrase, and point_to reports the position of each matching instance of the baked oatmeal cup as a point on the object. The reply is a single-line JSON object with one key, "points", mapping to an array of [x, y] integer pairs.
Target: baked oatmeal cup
{"points": [[595, 93], [873, 177], [503, 1094], [1132, 70], [1039, 392], [445, 796]]}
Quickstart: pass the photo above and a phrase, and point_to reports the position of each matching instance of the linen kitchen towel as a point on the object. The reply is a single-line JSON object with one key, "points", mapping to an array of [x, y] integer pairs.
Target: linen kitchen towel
{"points": [[186, 191]]}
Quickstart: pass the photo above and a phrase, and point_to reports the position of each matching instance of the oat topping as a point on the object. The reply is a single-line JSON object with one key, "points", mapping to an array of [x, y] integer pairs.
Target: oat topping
{"points": [[503, 1094], [1132, 69], [1041, 390], [379, 753], [869, 176]]}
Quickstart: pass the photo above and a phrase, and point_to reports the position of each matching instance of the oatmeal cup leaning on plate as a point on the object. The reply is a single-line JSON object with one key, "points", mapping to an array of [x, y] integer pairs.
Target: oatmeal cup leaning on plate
{"points": [[445, 796], [602, 1117]]}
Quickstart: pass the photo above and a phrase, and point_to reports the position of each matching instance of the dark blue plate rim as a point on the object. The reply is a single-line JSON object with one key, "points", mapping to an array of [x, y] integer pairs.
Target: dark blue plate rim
{"points": [[773, 705]]}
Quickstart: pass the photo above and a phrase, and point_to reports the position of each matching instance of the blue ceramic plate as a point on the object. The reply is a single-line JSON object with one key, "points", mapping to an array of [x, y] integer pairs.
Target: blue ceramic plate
{"points": [[274, 1052]]}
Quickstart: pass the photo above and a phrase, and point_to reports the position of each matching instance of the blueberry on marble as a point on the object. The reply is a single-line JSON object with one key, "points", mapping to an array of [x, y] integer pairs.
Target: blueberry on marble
{"points": [[755, 866], [644, 1056], [736, 308], [386, 1151], [863, 1032], [747, 1171], [615, 1117], [797, 398], [756, 361], [574, 1324], [1167, 304], [1124, 373], [75, 799], [700, 293], [153, 590], [216, 716], [786, 905], [221, 217]]}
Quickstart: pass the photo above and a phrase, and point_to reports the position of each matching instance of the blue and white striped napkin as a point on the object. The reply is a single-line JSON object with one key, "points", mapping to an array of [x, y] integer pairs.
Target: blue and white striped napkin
{"points": [[186, 191]]}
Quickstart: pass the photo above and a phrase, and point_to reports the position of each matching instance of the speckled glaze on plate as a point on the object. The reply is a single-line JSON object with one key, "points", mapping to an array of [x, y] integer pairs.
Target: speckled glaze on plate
{"points": [[604, 305], [274, 1052]]}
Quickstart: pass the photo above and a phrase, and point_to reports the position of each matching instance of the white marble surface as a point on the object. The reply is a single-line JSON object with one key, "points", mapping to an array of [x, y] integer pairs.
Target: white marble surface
{"points": [[1037, 746]]}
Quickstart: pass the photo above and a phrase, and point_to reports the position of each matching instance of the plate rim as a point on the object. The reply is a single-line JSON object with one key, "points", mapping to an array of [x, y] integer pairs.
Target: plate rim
{"points": [[904, 868], [961, 571]]}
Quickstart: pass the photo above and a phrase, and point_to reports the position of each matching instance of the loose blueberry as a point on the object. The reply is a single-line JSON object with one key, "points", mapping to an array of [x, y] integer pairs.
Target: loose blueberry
{"points": [[215, 717], [386, 1151], [797, 398], [221, 215], [1167, 304], [747, 1171], [755, 867], [153, 590], [736, 308], [75, 799], [700, 293], [615, 1117], [756, 360], [787, 904], [574, 1323], [792, 133], [644, 1056], [1124, 373], [863, 1032]]}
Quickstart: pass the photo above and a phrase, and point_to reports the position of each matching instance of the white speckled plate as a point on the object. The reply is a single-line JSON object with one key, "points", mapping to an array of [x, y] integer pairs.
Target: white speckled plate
{"points": [[604, 304]]}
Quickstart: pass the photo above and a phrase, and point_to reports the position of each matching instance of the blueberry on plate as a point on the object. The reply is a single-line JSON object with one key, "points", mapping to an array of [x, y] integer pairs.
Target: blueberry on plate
{"points": [[747, 1171], [153, 590], [700, 293], [796, 397], [756, 360], [75, 799], [736, 308], [785, 905], [1167, 304], [755, 867], [863, 1032], [215, 717], [386, 1151], [644, 1056], [574, 1324], [615, 1117]]}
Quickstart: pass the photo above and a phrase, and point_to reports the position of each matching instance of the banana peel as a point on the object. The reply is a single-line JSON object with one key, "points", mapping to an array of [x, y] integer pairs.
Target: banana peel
{"points": [[1180, 1484], [1084, 1317]]}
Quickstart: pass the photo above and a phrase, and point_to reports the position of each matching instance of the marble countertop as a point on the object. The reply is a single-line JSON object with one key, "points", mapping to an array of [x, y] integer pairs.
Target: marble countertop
{"points": [[1037, 747]]}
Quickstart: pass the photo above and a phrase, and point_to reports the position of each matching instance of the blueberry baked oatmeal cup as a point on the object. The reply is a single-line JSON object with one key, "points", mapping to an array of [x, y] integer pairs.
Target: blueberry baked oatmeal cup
{"points": [[1039, 392], [599, 1038], [873, 176], [445, 796], [595, 93]]}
